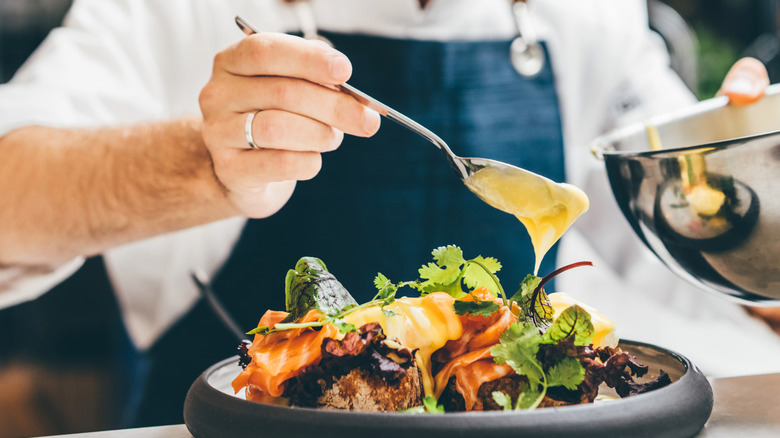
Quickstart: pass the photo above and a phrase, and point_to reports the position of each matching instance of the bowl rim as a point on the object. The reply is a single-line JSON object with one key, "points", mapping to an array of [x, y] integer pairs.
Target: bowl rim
{"points": [[601, 145]]}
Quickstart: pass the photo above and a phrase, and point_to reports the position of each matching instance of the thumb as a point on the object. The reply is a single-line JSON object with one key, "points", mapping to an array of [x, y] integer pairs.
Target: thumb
{"points": [[745, 82]]}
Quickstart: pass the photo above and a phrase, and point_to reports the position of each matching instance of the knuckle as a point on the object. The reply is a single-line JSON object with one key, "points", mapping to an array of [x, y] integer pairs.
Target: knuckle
{"points": [[215, 132], [208, 134], [269, 131], [349, 114], [223, 165], [317, 56], [285, 94], [207, 96], [259, 46], [222, 172], [220, 59]]}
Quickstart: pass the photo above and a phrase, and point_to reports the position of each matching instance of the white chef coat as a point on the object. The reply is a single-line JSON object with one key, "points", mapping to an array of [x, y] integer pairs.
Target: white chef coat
{"points": [[126, 61]]}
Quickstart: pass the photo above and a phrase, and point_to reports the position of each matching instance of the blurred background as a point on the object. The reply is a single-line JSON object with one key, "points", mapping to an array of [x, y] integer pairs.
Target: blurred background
{"points": [[61, 355]]}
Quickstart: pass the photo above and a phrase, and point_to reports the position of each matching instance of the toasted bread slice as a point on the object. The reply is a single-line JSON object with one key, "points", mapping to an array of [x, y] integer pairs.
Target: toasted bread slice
{"points": [[363, 372], [362, 390]]}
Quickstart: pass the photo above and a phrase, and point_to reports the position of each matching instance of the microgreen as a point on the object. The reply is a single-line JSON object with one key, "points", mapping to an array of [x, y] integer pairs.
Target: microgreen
{"points": [[573, 321], [430, 406], [502, 400]]}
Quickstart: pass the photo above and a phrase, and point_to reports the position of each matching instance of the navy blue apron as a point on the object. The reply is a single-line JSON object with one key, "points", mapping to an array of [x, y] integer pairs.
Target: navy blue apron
{"points": [[382, 204]]}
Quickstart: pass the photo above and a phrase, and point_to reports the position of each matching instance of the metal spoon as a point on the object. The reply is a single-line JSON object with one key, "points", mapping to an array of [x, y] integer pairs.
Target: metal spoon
{"points": [[494, 194]]}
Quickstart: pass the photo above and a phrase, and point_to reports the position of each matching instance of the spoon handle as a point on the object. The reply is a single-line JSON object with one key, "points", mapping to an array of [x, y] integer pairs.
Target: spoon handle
{"points": [[394, 115]]}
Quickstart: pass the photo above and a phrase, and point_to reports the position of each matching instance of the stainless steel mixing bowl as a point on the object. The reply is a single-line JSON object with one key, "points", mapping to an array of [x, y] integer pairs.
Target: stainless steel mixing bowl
{"points": [[701, 188]]}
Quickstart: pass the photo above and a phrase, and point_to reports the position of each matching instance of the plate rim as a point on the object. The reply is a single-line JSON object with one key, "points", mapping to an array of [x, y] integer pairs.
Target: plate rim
{"points": [[209, 412]]}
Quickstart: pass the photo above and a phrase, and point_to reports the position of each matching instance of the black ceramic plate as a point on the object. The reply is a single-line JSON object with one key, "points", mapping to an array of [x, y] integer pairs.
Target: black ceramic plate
{"points": [[678, 410]]}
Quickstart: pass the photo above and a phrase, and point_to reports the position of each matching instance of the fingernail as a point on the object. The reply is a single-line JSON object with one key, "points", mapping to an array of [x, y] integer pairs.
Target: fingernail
{"points": [[340, 67], [742, 85], [371, 121]]}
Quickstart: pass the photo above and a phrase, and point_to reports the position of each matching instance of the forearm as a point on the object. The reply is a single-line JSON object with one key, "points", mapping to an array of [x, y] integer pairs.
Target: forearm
{"points": [[70, 192]]}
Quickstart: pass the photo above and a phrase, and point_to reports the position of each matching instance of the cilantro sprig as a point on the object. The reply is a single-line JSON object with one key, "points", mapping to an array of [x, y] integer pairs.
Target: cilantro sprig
{"points": [[519, 348], [450, 271]]}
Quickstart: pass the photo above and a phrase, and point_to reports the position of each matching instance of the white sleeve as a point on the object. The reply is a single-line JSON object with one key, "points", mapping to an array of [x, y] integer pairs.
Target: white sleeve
{"points": [[92, 71], [106, 65], [26, 283], [81, 75]]}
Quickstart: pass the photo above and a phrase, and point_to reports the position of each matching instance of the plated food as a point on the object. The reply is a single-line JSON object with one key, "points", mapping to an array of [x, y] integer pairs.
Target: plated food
{"points": [[462, 344]]}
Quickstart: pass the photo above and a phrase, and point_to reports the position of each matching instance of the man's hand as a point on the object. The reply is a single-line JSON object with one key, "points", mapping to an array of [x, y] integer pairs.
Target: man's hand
{"points": [[745, 82], [291, 82]]}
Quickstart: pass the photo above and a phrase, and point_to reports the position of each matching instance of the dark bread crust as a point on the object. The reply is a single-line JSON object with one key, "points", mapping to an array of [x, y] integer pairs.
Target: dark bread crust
{"points": [[362, 390]]}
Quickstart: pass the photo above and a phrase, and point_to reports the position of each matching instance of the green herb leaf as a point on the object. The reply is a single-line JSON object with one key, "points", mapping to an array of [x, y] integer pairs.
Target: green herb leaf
{"points": [[502, 400], [478, 275], [388, 313], [343, 326], [386, 289], [445, 274], [311, 286], [263, 330], [430, 406], [568, 373], [530, 397], [450, 269], [517, 348], [573, 321], [484, 308], [527, 287], [529, 307]]}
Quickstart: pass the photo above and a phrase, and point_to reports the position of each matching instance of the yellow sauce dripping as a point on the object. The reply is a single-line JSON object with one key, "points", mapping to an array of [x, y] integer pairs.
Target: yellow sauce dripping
{"points": [[425, 323], [545, 207]]}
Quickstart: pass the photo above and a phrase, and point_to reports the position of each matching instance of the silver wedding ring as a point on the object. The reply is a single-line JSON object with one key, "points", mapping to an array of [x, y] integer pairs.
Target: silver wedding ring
{"points": [[248, 130]]}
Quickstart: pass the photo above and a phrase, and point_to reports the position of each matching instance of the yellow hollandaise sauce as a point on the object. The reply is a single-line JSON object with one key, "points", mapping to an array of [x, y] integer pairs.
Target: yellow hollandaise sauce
{"points": [[424, 323], [545, 207], [604, 334]]}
